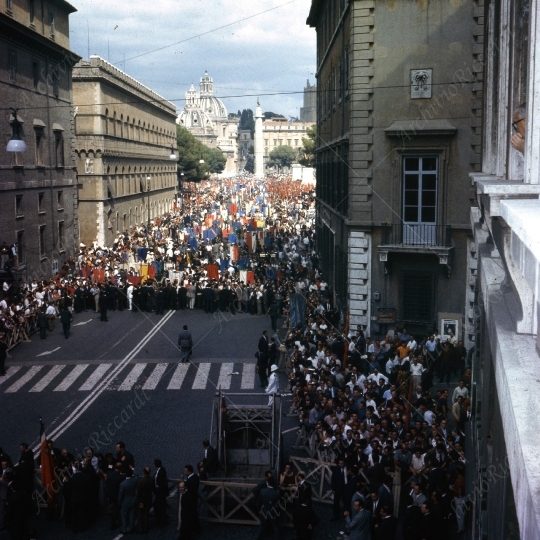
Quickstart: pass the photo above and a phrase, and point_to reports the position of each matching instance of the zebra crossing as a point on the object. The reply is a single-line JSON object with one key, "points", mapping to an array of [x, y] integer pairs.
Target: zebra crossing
{"points": [[145, 376]]}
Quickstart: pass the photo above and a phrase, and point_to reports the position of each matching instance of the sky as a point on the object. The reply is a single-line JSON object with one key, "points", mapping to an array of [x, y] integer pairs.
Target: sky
{"points": [[250, 48]]}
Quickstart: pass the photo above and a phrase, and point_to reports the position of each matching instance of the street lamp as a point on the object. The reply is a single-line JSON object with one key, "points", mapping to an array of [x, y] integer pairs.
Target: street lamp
{"points": [[172, 157], [16, 144], [201, 161], [148, 209]]}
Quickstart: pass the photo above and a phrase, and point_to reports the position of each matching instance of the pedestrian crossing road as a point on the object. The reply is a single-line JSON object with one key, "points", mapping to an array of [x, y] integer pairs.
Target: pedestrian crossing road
{"points": [[145, 376]]}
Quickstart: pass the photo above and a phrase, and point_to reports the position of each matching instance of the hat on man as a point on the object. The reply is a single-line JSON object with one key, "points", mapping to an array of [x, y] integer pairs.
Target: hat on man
{"points": [[273, 368]]}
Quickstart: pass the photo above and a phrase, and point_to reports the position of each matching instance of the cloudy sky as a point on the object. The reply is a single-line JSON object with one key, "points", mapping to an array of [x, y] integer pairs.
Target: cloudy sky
{"points": [[250, 48]]}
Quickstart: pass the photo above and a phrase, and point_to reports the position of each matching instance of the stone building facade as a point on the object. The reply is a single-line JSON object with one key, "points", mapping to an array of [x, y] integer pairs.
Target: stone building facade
{"points": [[124, 136], [38, 188], [279, 132], [504, 270], [398, 134]]}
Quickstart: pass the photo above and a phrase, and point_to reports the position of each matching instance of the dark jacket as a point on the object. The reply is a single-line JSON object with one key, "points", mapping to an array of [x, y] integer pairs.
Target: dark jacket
{"points": [[65, 316]]}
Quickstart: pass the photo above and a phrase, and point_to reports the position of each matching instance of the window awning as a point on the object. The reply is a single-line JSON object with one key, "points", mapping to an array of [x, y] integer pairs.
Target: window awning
{"points": [[420, 128], [38, 123], [57, 127]]}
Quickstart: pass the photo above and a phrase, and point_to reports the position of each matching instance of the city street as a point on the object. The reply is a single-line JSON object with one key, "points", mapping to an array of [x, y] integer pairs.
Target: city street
{"points": [[122, 380]]}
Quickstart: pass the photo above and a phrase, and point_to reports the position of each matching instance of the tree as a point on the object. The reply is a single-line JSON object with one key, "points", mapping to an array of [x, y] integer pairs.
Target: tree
{"points": [[247, 121], [269, 114], [307, 152], [215, 160], [281, 156], [190, 152], [250, 165]]}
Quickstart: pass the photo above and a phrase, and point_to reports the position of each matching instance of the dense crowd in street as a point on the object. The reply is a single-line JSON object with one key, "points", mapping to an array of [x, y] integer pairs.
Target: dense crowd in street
{"points": [[242, 245]]}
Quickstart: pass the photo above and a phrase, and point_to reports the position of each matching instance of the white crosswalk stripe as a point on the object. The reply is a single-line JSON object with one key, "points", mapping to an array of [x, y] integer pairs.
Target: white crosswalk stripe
{"points": [[224, 381], [202, 377], [248, 377], [155, 377], [199, 378], [131, 379], [178, 377], [40, 385], [71, 378], [34, 370], [95, 377], [9, 373]]}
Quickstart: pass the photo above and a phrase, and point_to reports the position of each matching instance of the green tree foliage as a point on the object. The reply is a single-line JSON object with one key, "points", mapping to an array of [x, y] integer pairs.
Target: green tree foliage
{"points": [[214, 159], [270, 114], [247, 121], [281, 156], [250, 165], [307, 153], [191, 151]]}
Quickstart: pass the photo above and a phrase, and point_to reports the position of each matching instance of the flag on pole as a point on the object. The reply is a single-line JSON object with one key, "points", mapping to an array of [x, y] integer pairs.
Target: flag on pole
{"points": [[48, 475]]}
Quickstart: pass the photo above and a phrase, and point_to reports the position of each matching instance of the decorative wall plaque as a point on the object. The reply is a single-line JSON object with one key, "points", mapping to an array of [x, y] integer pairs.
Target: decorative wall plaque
{"points": [[421, 80]]}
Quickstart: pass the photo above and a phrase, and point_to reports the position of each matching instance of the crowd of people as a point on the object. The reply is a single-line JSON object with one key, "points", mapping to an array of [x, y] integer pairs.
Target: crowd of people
{"points": [[242, 245]]}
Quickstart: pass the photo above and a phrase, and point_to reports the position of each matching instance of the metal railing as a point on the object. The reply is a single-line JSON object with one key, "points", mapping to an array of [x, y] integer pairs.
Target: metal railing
{"points": [[417, 234]]}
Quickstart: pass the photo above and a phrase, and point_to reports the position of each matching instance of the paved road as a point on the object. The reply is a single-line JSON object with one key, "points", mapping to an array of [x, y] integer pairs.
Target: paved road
{"points": [[122, 380]]}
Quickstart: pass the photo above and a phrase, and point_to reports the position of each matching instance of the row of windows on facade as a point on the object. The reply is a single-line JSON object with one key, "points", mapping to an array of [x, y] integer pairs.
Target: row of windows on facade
{"points": [[132, 185], [16, 76], [41, 203], [135, 131], [138, 217], [328, 23], [42, 241], [336, 87], [31, 9], [282, 142], [18, 158]]}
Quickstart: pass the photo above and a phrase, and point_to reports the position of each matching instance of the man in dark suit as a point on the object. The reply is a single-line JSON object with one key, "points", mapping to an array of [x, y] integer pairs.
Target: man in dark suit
{"points": [[65, 318], [77, 492], [185, 343], [386, 528], [161, 489], [304, 520], [374, 506], [192, 487], [426, 527], [143, 501], [338, 482], [114, 478], [269, 517], [304, 490], [187, 512], [124, 457], [42, 323], [24, 469], [386, 497], [210, 459], [127, 496]]}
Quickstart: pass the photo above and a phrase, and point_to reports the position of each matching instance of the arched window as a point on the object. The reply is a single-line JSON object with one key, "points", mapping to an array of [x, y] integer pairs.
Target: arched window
{"points": [[106, 121]]}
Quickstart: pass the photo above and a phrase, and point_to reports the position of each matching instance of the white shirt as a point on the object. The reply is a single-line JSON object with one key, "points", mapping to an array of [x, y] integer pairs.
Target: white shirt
{"points": [[417, 369], [412, 344]]}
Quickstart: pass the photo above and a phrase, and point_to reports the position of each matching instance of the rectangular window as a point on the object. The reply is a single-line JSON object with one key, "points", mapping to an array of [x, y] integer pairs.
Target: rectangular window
{"points": [[59, 148], [39, 148], [9, 5], [61, 235], [32, 10], [42, 241], [35, 74], [60, 200], [20, 246], [418, 296], [18, 206], [41, 203], [12, 66], [420, 200], [51, 23]]}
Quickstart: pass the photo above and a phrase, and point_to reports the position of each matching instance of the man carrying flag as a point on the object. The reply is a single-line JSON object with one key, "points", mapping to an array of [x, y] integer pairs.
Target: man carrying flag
{"points": [[48, 474]]}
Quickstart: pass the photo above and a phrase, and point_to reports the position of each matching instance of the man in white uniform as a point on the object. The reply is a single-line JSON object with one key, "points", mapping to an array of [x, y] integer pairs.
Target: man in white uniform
{"points": [[273, 384]]}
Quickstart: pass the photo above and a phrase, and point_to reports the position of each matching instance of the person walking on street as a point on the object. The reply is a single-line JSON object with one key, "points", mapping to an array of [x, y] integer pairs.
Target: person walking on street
{"points": [[273, 311], [103, 305], [273, 384], [161, 490], [65, 318], [144, 490], [262, 359], [185, 343]]}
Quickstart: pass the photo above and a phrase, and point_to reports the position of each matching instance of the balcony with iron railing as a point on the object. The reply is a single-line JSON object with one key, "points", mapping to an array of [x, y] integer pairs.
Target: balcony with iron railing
{"points": [[419, 238]]}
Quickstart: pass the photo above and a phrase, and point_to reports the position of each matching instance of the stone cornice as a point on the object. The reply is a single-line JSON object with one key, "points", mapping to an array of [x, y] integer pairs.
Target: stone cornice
{"points": [[100, 70]]}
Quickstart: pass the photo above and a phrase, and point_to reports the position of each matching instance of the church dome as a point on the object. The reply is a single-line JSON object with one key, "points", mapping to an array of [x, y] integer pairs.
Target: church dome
{"points": [[210, 104], [195, 120]]}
